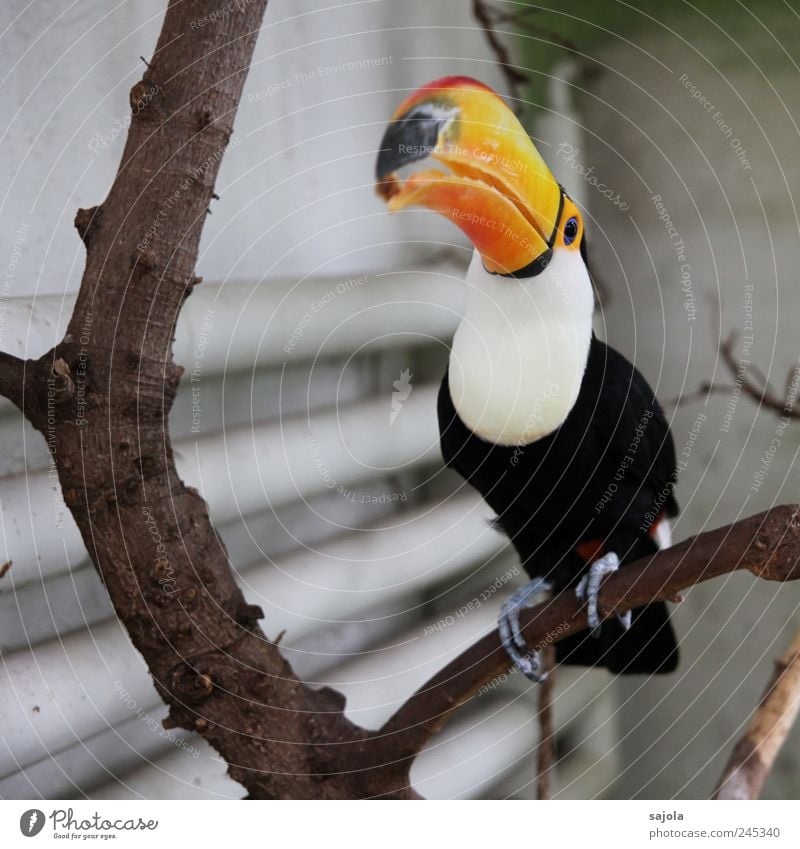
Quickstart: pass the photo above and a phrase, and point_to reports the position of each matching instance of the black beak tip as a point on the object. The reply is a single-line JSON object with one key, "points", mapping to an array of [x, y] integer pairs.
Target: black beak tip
{"points": [[408, 139], [387, 157]]}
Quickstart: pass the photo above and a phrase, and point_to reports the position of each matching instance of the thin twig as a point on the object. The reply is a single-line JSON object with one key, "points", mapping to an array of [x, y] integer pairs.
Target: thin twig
{"points": [[545, 753], [514, 78], [489, 16], [751, 381]]}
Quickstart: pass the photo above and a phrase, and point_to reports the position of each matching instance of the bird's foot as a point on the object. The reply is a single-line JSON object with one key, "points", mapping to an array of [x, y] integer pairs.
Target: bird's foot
{"points": [[528, 661], [589, 586]]}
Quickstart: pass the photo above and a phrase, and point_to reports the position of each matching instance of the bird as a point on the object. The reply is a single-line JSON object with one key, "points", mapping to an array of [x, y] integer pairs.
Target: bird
{"points": [[561, 435]]}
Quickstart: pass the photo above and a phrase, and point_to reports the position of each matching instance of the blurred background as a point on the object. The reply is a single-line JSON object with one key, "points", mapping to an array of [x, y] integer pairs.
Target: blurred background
{"points": [[313, 353]]}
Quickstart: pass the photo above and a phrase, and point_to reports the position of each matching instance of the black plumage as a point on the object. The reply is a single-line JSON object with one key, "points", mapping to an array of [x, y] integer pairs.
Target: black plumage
{"points": [[604, 476]]}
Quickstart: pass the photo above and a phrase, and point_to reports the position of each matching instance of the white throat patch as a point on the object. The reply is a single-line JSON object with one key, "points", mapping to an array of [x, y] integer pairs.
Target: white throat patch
{"points": [[519, 354]]}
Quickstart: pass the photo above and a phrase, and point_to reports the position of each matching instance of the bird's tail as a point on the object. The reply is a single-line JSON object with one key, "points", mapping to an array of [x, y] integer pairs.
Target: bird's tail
{"points": [[646, 648]]}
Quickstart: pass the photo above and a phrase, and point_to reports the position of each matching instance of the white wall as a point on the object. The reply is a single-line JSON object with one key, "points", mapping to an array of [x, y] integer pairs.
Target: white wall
{"points": [[297, 182], [647, 134]]}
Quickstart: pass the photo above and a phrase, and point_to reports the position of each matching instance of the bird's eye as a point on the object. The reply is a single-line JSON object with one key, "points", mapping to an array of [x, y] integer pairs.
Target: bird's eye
{"points": [[570, 231]]}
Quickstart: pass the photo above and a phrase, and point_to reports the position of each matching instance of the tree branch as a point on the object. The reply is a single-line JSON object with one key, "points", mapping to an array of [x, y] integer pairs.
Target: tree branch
{"points": [[768, 545], [546, 750], [754, 755], [12, 378]]}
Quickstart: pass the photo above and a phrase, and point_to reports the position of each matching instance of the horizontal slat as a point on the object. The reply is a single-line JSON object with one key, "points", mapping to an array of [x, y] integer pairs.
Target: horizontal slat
{"points": [[208, 403], [377, 683], [476, 749], [240, 471], [177, 775], [65, 691], [586, 771], [299, 591], [310, 589], [240, 326], [78, 769], [99, 758], [38, 611], [446, 538]]}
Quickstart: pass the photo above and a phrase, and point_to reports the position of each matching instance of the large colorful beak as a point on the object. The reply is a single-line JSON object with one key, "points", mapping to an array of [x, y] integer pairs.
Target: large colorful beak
{"points": [[497, 188]]}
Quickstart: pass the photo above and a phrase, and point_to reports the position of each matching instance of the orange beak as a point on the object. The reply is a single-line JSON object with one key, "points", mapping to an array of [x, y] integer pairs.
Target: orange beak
{"points": [[497, 189]]}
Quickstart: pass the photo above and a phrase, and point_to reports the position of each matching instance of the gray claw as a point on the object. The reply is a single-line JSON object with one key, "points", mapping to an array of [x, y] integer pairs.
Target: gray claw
{"points": [[511, 637], [589, 586]]}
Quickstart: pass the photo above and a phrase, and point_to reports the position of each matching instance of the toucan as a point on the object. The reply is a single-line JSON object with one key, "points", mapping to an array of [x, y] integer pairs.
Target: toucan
{"points": [[560, 433]]}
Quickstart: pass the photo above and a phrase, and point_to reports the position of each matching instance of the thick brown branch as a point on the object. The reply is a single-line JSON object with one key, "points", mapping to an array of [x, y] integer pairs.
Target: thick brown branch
{"points": [[768, 545], [12, 377], [754, 755]]}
